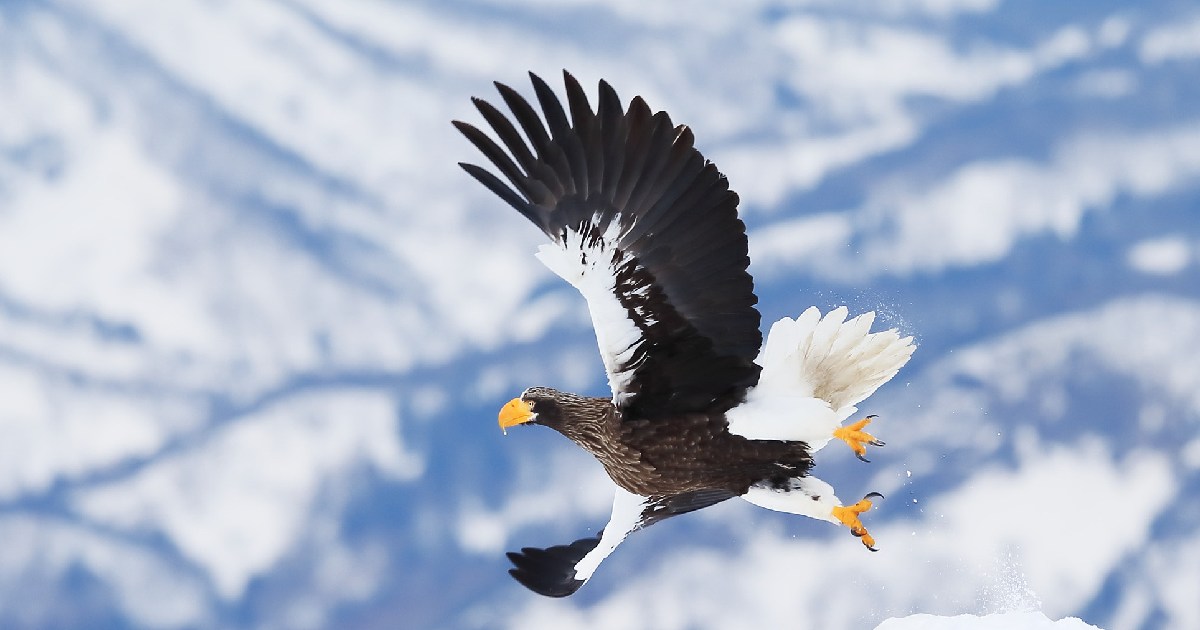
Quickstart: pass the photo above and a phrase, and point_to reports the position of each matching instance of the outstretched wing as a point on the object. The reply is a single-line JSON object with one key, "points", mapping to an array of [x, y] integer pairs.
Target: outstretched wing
{"points": [[560, 570], [647, 230]]}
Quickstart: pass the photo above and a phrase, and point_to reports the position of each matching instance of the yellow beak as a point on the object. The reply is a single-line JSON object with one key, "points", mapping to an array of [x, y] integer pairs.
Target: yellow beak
{"points": [[514, 412]]}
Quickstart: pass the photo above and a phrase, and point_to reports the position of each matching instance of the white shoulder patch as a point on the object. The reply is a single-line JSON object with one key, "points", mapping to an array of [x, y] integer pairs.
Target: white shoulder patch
{"points": [[626, 517], [590, 265]]}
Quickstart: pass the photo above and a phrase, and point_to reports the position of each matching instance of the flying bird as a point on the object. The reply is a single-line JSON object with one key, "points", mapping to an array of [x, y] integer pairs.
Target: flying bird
{"points": [[701, 410]]}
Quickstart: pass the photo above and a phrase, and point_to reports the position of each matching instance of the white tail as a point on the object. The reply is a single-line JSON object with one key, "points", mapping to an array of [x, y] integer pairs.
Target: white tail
{"points": [[829, 358], [814, 371]]}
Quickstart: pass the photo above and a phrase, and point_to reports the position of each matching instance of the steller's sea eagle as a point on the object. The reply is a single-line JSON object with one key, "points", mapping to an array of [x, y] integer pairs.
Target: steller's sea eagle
{"points": [[701, 411]]}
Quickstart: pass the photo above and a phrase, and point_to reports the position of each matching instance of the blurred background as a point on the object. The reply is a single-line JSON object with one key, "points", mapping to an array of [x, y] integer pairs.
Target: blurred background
{"points": [[255, 323]]}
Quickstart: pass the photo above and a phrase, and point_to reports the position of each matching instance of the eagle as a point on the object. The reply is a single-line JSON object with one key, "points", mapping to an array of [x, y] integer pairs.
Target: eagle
{"points": [[701, 410]]}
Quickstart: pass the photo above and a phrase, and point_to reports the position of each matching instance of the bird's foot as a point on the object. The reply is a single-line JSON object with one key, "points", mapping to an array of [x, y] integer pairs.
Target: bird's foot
{"points": [[848, 516], [857, 439]]}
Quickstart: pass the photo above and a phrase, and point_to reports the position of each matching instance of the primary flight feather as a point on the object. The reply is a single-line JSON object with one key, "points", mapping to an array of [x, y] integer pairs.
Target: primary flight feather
{"points": [[701, 410]]}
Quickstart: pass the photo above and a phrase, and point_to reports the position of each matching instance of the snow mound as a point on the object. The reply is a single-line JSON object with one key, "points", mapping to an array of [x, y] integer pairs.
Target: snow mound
{"points": [[1030, 620]]}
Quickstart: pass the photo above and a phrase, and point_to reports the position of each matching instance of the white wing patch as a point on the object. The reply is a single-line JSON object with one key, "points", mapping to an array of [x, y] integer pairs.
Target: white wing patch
{"points": [[626, 517], [591, 265], [814, 371]]}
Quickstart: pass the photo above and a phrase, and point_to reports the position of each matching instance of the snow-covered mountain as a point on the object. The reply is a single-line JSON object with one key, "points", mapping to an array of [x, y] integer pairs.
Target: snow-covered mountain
{"points": [[255, 323]]}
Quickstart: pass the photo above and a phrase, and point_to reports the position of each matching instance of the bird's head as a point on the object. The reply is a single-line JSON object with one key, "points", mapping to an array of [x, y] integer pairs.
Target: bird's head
{"points": [[536, 405]]}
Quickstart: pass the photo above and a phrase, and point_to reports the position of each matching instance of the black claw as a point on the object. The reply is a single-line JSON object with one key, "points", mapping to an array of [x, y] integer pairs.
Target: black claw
{"points": [[873, 495], [871, 548], [872, 416], [877, 443], [861, 458]]}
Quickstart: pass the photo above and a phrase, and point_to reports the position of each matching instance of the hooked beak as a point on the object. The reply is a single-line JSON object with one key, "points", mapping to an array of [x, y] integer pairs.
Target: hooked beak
{"points": [[514, 412]]}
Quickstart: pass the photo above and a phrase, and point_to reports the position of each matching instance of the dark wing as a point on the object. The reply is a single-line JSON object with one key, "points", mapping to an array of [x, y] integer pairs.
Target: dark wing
{"points": [[551, 571], [560, 570], [647, 230]]}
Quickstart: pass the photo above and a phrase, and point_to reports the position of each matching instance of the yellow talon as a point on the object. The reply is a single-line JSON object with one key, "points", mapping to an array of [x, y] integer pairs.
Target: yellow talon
{"points": [[848, 516], [856, 438]]}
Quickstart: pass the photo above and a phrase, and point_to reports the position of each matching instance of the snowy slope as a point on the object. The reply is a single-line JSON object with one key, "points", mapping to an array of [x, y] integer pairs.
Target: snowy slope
{"points": [[255, 324], [999, 621]]}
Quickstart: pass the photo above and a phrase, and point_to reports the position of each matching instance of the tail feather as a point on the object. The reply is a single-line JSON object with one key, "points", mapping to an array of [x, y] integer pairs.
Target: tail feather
{"points": [[823, 336], [790, 334], [851, 334], [831, 358]]}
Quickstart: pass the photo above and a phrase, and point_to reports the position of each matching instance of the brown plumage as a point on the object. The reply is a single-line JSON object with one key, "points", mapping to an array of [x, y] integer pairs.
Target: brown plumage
{"points": [[694, 451]]}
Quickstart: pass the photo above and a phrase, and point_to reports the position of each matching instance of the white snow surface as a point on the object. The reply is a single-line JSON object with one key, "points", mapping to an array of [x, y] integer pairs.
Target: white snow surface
{"points": [[999, 621]]}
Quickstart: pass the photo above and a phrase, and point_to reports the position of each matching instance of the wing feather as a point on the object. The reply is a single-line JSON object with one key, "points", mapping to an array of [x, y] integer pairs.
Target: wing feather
{"points": [[614, 132], [646, 229], [497, 156], [560, 570], [507, 133], [510, 196]]}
